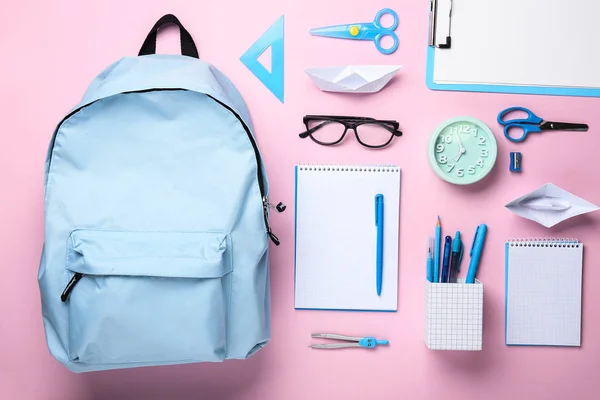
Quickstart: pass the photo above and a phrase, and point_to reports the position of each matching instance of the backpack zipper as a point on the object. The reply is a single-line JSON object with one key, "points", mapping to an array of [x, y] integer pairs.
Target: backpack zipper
{"points": [[266, 205], [69, 288]]}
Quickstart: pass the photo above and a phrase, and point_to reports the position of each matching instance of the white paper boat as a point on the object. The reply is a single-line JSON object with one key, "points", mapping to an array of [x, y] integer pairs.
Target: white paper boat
{"points": [[353, 78], [550, 205]]}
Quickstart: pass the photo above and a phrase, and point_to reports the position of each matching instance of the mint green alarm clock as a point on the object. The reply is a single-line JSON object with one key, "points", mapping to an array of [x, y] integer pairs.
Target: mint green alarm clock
{"points": [[463, 150]]}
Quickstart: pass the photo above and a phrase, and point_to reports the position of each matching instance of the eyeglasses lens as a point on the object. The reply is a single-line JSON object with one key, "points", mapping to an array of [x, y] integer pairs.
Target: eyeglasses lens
{"points": [[374, 135], [328, 132]]}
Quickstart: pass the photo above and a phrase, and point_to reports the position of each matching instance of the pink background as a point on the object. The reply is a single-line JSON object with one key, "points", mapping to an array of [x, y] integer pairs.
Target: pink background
{"points": [[51, 50]]}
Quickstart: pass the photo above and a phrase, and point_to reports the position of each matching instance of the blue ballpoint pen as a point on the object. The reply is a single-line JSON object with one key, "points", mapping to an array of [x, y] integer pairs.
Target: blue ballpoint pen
{"points": [[476, 249], [430, 259], [379, 224], [436, 250], [446, 260]]}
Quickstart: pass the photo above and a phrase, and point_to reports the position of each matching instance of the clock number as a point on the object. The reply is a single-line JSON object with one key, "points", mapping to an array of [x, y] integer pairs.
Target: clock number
{"points": [[439, 147], [448, 139], [443, 159], [485, 152], [461, 129], [481, 141], [471, 170], [450, 167], [480, 163], [460, 172], [475, 133]]}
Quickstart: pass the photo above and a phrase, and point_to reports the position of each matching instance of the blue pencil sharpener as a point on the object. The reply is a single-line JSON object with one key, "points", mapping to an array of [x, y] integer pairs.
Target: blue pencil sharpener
{"points": [[515, 162]]}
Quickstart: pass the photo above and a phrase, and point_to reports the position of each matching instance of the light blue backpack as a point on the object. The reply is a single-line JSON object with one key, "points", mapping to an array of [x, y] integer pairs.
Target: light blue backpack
{"points": [[156, 241]]}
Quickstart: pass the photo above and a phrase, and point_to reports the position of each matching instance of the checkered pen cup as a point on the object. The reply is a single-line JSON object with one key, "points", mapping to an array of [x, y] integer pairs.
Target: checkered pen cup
{"points": [[453, 316]]}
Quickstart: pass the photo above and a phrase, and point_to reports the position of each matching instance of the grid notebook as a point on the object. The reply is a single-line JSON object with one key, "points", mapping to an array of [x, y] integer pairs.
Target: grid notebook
{"points": [[336, 237], [543, 292]]}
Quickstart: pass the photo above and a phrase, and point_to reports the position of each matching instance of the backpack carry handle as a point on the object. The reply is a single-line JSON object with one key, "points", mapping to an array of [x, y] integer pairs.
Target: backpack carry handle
{"points": [[188, 47]]}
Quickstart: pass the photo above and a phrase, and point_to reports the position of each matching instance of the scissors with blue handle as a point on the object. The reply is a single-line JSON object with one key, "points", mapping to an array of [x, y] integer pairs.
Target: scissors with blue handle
{"points": [[374, 31], [532, 124]]}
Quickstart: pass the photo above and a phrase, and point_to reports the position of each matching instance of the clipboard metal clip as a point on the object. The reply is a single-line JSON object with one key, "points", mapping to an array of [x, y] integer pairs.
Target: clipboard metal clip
{"points": [[442, 20]]}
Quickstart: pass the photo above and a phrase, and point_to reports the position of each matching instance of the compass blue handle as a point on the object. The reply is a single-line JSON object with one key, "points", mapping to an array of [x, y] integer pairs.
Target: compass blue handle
{"points": [[370, 342]]}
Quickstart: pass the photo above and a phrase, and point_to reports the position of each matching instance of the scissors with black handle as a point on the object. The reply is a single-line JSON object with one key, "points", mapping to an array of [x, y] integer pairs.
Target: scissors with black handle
{"points": [[532, 124]]}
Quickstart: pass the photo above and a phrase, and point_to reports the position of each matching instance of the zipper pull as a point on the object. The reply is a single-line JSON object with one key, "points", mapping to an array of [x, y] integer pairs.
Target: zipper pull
{"points": [[279, 207], [266, 207], [274, 239], [69, 288]]}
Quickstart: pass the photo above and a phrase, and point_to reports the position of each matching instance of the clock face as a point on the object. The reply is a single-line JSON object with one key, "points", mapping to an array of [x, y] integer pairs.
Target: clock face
{"points": [[463, 150]]}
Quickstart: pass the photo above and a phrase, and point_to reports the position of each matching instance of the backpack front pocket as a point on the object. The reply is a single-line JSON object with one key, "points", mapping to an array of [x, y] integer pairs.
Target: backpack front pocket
{"points": [[141, 297]]}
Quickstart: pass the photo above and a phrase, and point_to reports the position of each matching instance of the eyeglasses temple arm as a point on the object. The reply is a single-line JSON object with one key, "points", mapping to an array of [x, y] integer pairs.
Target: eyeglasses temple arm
{"points": [[394, 129], [311, 130]]}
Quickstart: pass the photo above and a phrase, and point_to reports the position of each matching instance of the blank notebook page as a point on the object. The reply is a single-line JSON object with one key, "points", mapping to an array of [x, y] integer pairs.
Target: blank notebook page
{"points": [[543, 293], [500, 42], [336, 237]]}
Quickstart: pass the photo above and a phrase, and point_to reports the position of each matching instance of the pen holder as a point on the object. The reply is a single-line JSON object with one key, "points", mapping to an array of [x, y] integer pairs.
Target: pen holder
{"points": [[453, 315]]}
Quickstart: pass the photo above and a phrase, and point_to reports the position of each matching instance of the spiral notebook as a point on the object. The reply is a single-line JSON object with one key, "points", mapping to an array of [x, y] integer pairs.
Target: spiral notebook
{"points": [[335, 248], [543, 292]]}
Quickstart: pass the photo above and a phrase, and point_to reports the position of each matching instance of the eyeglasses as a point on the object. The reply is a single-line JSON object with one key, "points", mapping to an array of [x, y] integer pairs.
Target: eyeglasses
{"points": [[330, 130]]}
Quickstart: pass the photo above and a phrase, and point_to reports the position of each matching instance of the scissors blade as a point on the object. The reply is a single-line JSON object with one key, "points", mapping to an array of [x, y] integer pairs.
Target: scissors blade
{"points": [[563, 126], [334, 346], [334, 31]]}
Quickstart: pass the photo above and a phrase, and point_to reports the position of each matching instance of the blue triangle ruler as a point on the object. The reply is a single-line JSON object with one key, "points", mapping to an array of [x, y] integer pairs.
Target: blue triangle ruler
{"points": [[273, 37]]}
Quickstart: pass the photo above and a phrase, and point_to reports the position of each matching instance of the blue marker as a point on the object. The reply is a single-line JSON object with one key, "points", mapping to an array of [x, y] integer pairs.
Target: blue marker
{"points": [[430, 259], [457, 253], [476, 250], [379, 224], [446, 262]]}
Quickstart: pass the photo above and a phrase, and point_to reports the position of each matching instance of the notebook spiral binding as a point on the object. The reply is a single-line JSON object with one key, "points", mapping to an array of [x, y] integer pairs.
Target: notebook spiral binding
{"points": [[348, 168], [545, 242]]}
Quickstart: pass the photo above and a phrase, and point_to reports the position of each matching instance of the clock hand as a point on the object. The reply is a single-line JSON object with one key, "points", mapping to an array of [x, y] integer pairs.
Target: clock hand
{"points": [[460, 153], [461, 148]]}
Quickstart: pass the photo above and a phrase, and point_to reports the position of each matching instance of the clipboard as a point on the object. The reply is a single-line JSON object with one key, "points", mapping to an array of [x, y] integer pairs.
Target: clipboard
{"points": [[543, 47]]}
